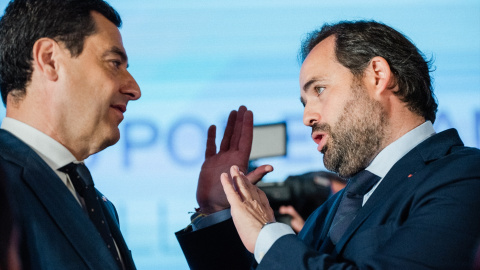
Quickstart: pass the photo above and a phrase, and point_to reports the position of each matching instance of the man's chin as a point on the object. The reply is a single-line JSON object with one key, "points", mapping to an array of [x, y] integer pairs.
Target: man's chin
{"points": [[115, 137], [327, 163], [110, 140]]}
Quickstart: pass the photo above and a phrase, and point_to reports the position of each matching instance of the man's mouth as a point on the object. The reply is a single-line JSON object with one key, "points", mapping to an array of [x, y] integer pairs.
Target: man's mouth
{"points": [[319, 138], [120, 107]]}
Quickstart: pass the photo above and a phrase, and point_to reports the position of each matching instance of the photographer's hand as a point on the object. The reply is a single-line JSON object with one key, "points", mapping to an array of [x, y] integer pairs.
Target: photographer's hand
{"points": [[249, 206], [297, 221]]}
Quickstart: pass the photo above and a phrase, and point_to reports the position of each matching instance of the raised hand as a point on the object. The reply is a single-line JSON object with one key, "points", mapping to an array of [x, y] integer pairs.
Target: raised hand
{"points": [[234, 150], [249, 206]]}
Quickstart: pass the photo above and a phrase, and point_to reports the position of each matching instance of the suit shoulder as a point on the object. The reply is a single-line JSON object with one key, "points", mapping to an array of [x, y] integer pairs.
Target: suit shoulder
{"points": [[9, 169], [466, 151], [462, 157], [460, 166]]}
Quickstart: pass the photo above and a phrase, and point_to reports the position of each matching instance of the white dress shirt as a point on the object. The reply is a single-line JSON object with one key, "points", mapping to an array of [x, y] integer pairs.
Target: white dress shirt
{"points": [[52, 152]]}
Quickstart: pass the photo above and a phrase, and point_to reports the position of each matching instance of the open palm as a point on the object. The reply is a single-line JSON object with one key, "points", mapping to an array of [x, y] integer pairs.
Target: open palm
{"points": [[234, 150]]}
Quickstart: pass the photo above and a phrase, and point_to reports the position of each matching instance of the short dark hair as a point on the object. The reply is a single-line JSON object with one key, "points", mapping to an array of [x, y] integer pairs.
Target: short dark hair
{"points": [[26, 21], [357, 42]]}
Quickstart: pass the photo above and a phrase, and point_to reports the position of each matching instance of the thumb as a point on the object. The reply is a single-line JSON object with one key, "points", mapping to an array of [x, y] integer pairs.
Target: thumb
{"points": [[259, 173]]}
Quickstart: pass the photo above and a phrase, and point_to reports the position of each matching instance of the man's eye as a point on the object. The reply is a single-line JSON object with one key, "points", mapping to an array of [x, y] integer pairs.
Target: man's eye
{"points": [[319, 89], [116, 63]]}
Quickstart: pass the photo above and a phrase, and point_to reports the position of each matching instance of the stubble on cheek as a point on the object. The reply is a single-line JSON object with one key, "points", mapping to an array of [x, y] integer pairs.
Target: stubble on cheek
{"points": [[356, 137]]}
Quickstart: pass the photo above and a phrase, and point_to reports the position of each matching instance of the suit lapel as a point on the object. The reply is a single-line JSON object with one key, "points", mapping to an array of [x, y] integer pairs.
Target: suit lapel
{"points": [[117, 235], [327, 244], [59, 203], [315, 231], [324, 244], [404, 170]]}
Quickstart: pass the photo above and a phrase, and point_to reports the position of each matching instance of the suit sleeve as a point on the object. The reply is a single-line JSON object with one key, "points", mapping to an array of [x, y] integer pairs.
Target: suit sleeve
{"points": [[215, 247]]}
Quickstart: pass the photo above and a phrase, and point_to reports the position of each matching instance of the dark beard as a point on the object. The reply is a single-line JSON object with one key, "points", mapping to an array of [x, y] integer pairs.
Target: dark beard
{"points": [[356, 138]]}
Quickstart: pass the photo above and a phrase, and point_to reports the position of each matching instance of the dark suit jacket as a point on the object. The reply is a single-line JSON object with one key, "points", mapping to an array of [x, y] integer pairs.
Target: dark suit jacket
{"points": [[425, 214], [55, 232]]}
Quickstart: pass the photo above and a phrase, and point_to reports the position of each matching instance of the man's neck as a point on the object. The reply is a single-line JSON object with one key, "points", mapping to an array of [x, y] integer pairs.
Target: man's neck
{"points": [[42, 123], [388, 156], [400, 126]]}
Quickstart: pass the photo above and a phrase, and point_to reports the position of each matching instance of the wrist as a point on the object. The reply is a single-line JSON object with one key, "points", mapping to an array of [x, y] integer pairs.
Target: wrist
{"points": [[267, 223]]}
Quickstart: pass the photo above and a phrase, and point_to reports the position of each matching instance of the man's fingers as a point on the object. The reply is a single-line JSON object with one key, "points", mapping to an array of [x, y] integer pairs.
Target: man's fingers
{"points": [[211, 146], [259, 173], [288, 210], [237, 133], [232, 196], [243, 188], [246, 137], [229, 129]]}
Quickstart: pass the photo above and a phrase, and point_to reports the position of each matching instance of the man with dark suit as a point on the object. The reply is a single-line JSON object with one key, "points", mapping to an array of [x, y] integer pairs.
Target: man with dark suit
{"points": [[412, 199], [65, 84]]}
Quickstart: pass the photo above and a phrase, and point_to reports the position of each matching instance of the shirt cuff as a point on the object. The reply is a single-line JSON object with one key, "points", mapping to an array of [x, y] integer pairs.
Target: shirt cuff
{"points": [[201, 222], [267, 236]]}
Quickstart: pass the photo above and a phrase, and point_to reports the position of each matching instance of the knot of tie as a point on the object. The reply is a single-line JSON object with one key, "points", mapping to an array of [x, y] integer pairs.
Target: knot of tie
{"points": [[361, 183], [80, 177]]}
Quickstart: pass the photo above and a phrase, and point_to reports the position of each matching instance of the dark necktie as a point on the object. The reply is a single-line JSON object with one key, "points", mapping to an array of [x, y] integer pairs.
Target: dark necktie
{"points": [[351, 202], [83, 183]]}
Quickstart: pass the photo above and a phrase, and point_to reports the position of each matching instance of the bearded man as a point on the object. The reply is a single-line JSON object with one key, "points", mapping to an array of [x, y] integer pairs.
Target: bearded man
{"points": [[412, 198]]}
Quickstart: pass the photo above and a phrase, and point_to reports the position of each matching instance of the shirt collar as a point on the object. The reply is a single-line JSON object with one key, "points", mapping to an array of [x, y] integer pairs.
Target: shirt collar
{"points": [[385, 160], [52, 152]]}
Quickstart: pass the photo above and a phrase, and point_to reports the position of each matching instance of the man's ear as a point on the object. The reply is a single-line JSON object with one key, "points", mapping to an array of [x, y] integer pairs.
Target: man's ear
{"points": [[45, 50], [379, 76]]}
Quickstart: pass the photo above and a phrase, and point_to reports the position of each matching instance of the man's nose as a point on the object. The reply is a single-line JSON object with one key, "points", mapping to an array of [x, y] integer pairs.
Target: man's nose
{"points": [[131, 87]]}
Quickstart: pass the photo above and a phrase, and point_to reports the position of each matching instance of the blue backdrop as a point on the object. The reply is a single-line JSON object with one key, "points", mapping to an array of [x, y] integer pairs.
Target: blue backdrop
{"points": [[197, 60]]}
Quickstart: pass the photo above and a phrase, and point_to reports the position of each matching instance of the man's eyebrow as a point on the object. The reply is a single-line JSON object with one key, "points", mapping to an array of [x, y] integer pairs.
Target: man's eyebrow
{"points": [[307, 85], [310, 82]]}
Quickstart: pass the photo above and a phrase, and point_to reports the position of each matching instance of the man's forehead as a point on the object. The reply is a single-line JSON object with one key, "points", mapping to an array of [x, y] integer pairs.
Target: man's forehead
{"points": [[325, 50], [107, 36], [320, 58]]}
